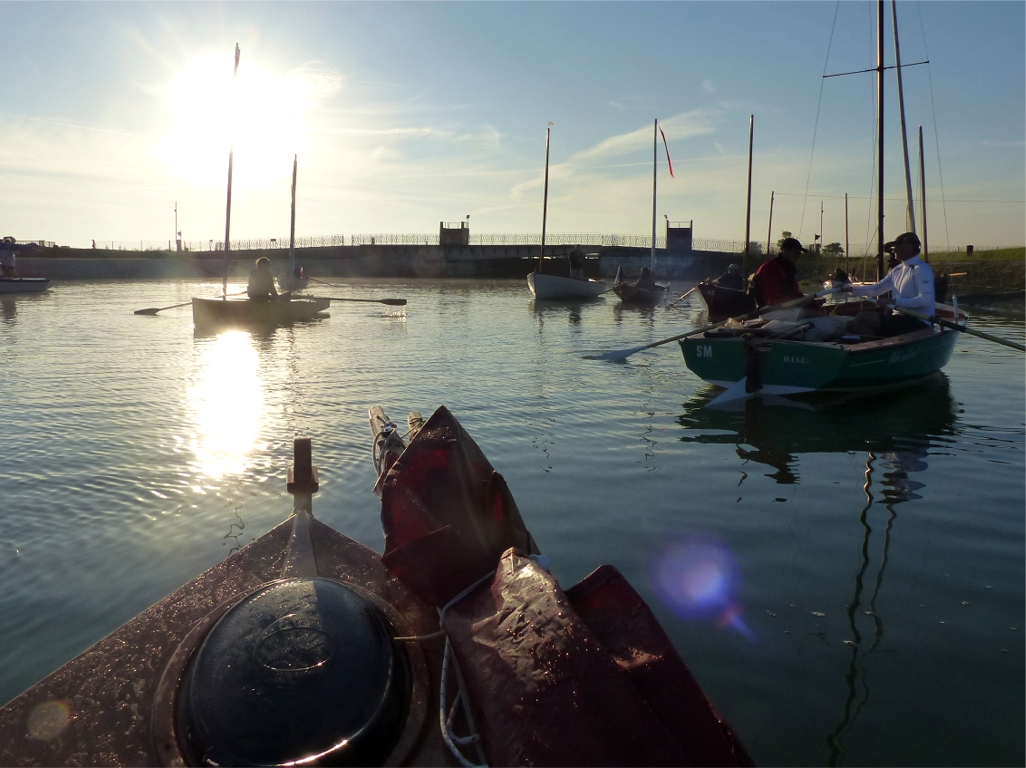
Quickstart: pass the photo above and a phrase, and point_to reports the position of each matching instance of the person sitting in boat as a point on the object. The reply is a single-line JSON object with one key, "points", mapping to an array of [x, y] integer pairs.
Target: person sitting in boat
{"points": [[7, 258], [577, 263], [908, 285], [732, 278], [776, 280], [261, 281], [646, 282]]}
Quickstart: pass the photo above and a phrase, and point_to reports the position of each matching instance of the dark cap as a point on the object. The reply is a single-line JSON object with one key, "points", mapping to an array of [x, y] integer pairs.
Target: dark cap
{"points": [[792, 244], [908, 237]]}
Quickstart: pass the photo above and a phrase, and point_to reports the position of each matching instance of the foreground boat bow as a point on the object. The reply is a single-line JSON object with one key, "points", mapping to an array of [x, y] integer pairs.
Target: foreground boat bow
{"points": [[307, 648]]}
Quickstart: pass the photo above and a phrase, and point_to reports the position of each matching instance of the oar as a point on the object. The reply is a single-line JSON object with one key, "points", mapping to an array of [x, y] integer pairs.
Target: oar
{"points": [[390, 302], [962, 328], [682, 297], [155, 310], [621, 354]]}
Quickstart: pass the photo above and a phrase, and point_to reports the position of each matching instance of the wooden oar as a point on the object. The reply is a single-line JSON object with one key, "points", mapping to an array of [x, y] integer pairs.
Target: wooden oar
{"points": [[155, 310], [622, 354], [682, 297], [962, 328], [390, 302]]}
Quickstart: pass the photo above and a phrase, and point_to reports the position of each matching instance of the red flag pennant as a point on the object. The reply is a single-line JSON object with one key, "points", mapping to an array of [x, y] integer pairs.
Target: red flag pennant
{"points": [[669, 162]]}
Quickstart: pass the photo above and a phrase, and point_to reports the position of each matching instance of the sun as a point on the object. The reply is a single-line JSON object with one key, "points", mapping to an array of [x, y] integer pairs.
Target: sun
{"points": [[258, 113]]}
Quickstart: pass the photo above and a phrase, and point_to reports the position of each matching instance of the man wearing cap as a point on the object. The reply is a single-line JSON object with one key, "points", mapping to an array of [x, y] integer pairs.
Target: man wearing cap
{"points": [[777, 279], [910, 285]]}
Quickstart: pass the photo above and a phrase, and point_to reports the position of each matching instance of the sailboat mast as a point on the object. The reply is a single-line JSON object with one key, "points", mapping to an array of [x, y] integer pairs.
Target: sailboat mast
{"points": [[910, 211], [545, 202], [292, 228], [655, 175], [228, 211], [748, 213], [769, 231], [922, 195], [880, 140]]}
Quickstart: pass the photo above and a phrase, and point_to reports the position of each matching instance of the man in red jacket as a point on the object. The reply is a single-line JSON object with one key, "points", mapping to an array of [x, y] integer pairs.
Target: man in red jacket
{"points": [[777, 279]]}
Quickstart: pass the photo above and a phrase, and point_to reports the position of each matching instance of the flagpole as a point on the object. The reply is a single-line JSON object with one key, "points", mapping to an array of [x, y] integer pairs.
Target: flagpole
{"points": [[655, 176], [228, 211]]}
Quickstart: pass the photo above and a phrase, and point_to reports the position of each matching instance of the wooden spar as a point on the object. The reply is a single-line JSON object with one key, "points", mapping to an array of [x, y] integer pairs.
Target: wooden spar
{"points": [[910, 211], [545, 201], [922, 187], [880, 140], [748, 210], [228, 209], [655, 175], [292, 228], [769, 230], [846, 251]]}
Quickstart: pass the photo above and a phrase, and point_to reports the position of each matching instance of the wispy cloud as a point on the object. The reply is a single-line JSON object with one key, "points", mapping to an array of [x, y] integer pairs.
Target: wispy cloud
{"points": [[709, 85], [686, 125]]}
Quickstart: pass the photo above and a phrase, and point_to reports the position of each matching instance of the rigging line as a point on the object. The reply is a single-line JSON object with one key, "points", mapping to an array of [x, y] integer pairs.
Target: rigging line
{"points": [[819, 105]]}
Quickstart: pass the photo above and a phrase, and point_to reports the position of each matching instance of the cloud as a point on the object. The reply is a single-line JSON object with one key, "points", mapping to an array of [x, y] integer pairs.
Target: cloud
{"points": [[709, 85]]}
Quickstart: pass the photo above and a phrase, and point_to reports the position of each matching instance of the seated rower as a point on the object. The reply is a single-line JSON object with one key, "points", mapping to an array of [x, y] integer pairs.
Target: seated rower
{"points": [[261, 281], [776, 281], [577, 262], [732, 278], [911, 285], [646, 281]]}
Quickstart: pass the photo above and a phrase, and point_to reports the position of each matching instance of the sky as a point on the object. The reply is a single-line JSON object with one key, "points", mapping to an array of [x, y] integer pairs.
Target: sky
{"points": [[406, 114]]}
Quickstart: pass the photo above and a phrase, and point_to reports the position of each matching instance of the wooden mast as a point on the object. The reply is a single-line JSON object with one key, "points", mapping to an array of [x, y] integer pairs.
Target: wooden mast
{"points": [[545, 201], [910, 211], [228, 210], [922, 187], [880, 140], [748, 212], [655, 175], [292, 227]]}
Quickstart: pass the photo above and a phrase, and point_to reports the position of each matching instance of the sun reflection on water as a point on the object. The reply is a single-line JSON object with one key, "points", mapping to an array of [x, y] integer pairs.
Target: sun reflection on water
{"points": [[226, 404]]}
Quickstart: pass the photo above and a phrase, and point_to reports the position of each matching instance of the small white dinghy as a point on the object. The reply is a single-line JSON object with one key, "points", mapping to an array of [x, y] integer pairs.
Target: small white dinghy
{"points": [[545, 286]]}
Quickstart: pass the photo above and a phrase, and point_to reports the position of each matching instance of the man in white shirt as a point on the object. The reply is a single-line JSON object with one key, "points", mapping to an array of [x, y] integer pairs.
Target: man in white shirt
{"points": [[909, 285]]}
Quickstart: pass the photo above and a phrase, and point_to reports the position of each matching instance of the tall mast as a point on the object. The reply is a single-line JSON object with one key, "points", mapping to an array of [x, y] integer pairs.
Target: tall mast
{"points": [[769, 230], [228, 211], [748, 213], [545, 202], [880, 140], [922, 181], [292, 228], [910, 211], [655, 175]]}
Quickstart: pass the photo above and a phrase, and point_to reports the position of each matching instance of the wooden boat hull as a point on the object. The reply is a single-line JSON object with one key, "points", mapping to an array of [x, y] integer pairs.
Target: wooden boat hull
{"points": [[243, 312], [725, 302], [793, 367], [630, 294], [556, 287], [24, 284]]}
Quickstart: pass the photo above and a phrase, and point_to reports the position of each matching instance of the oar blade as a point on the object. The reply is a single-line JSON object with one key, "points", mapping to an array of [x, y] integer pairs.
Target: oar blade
{"points": [[148, 311], [394, 302], [616, 354]]}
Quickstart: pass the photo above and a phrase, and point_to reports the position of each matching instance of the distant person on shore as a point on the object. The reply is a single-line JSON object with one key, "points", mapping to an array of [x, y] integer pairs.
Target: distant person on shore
{"points": [[7, 258], [261, 281], [646, 281], [776, 280], [577, 262], [911, 286]]}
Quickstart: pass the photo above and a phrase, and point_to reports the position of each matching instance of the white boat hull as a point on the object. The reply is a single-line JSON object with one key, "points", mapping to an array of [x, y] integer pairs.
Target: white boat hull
{"points": [[289, 282], [556, 287], [24, 284]]}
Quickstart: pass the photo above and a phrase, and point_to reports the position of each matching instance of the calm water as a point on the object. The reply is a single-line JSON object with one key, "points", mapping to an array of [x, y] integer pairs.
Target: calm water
{"points": [[876, 614]]}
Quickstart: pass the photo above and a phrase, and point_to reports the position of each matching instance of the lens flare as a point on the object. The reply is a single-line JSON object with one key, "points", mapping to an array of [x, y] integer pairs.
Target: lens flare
{"points": [[698, 578]]}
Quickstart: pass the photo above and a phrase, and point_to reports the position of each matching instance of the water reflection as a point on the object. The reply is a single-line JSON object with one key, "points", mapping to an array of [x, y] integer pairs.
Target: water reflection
{"points": [[551, 309], [225, 401], [9, 308], [895, 432], [898, 426]]}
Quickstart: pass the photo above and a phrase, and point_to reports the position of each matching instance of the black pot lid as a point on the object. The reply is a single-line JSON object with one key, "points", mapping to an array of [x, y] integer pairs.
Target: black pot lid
{"points": [[300, 670]]}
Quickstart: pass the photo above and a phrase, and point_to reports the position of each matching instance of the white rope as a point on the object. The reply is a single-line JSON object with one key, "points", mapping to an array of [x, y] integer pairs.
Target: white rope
{"points": [[447, 714]]}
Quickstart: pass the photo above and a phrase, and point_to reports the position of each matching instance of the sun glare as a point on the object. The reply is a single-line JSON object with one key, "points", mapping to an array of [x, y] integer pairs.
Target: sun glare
{"points": [[225, 403], [262, 114]]}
